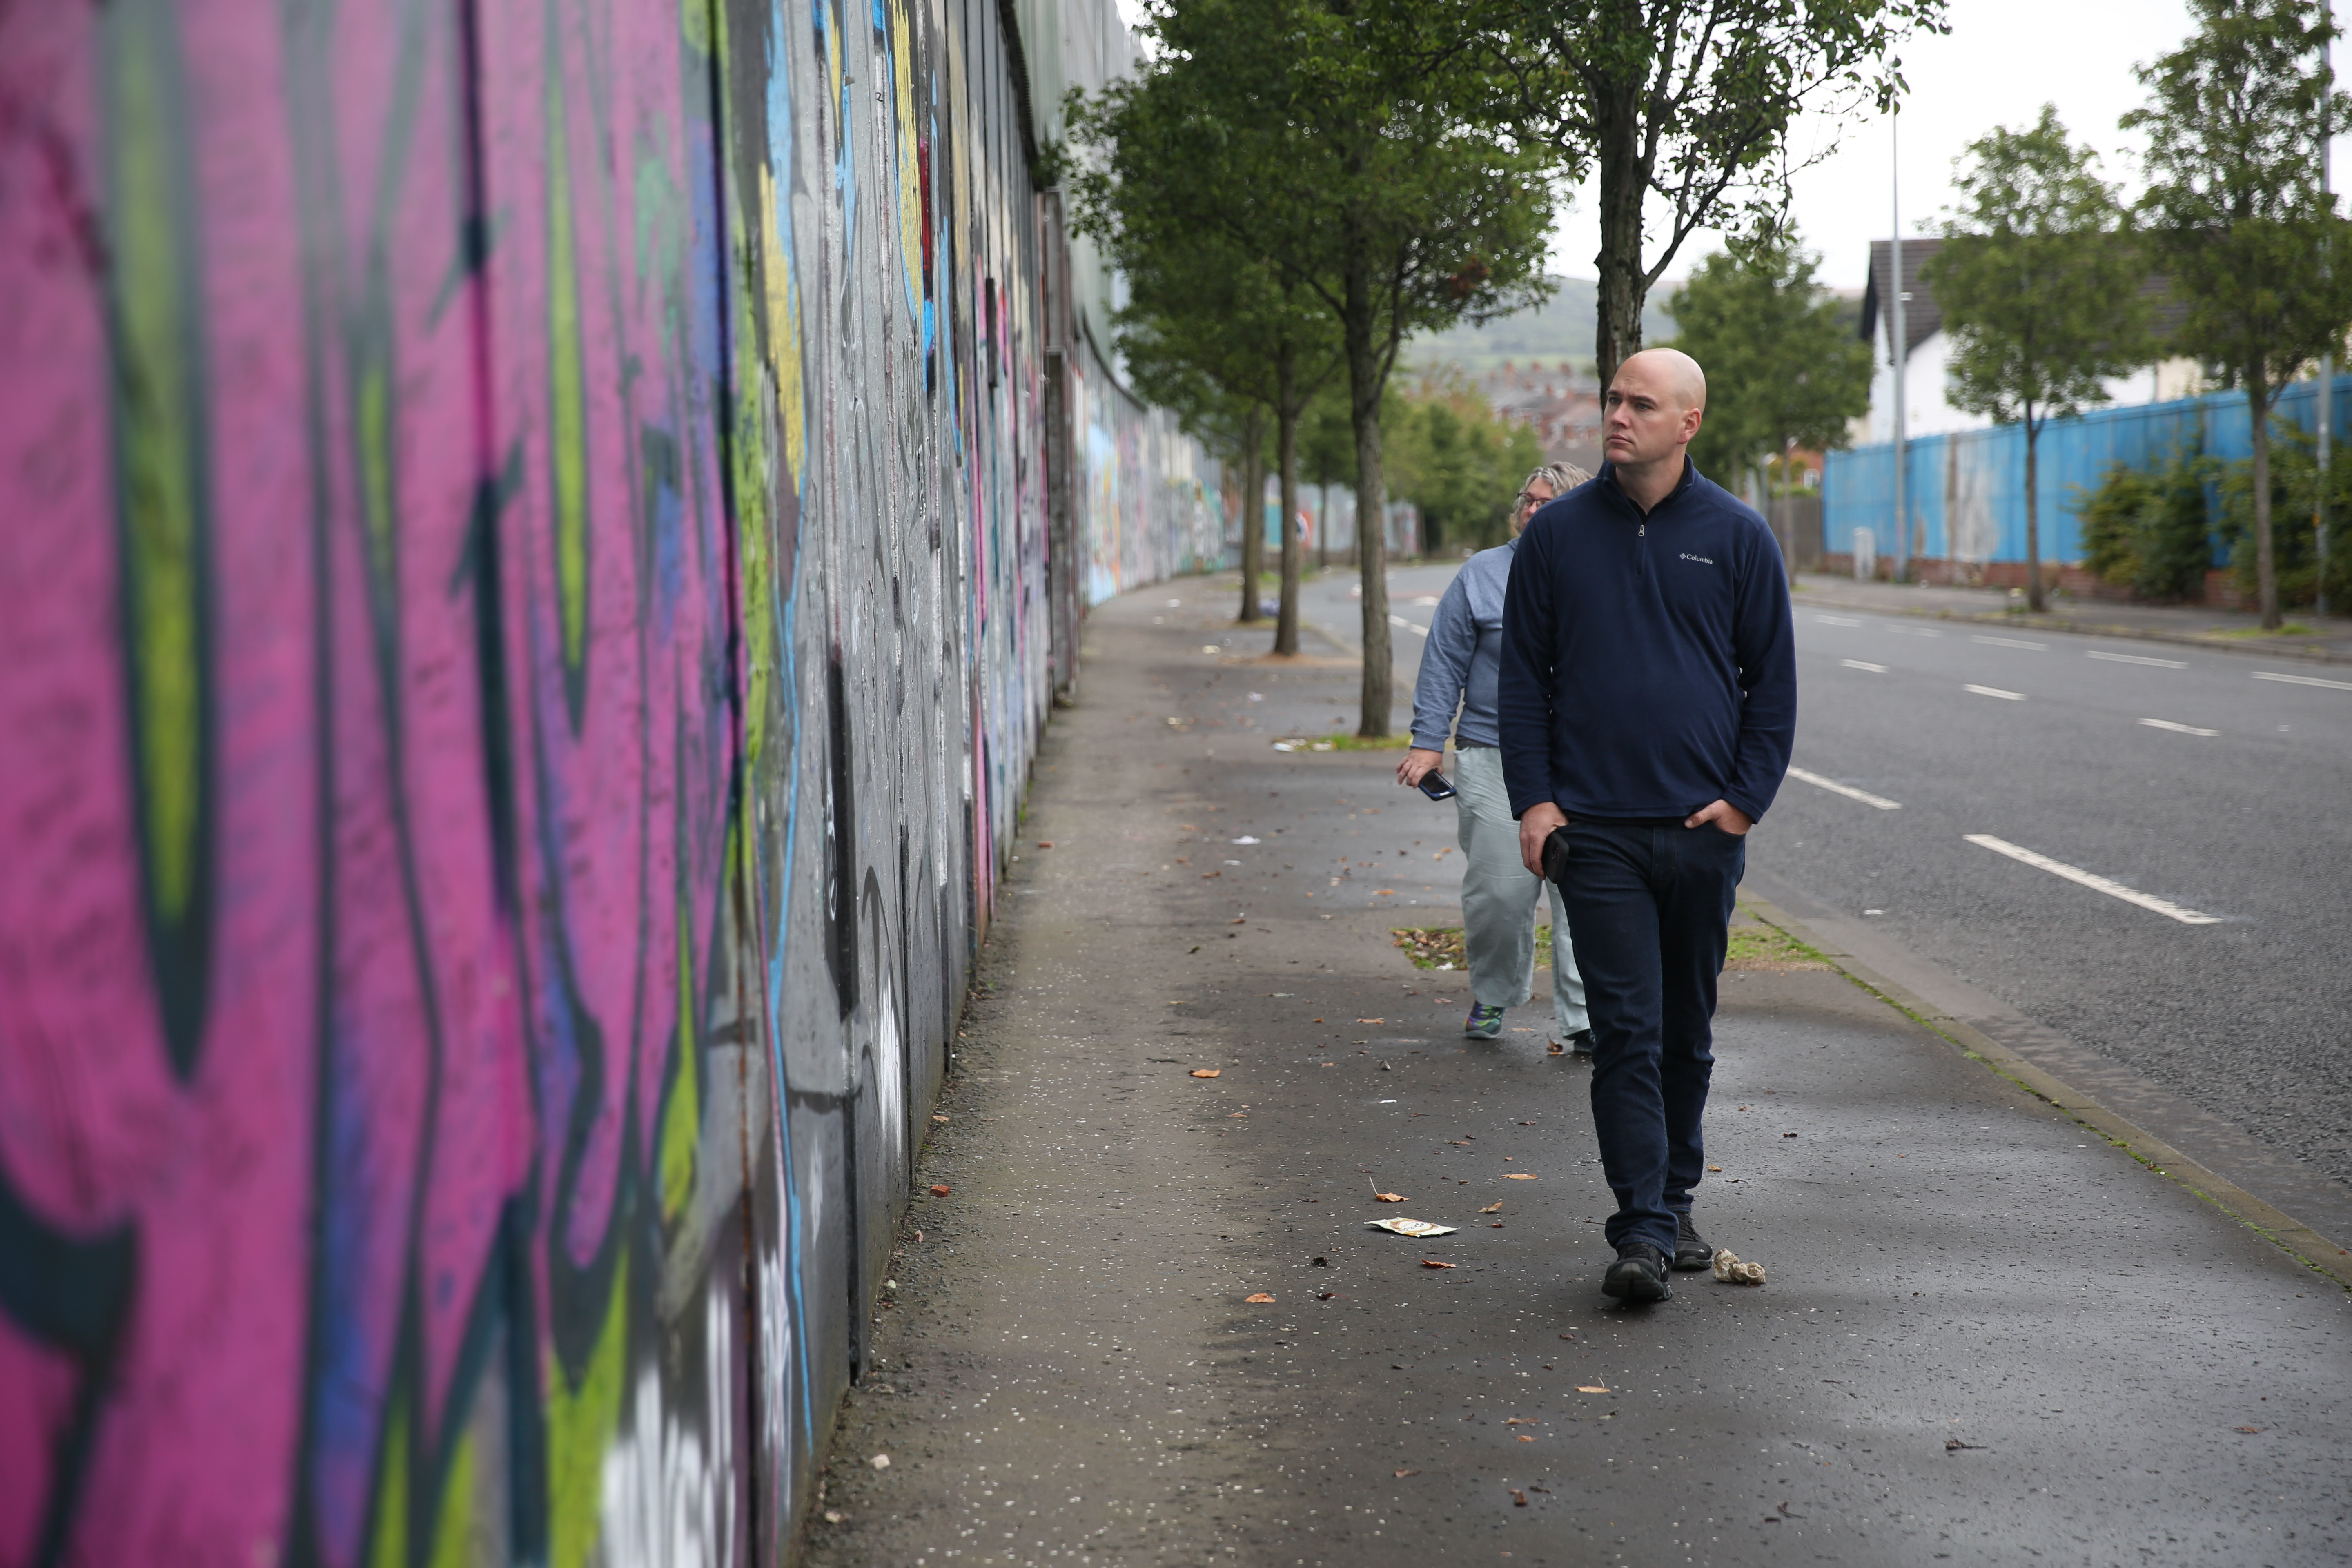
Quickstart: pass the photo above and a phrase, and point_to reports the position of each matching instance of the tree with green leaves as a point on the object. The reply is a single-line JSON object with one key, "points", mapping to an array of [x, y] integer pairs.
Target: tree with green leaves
{"points": [[1328, 139], [1456, 461], [1204, 326], [1682, 109], [1784, 368], [2238, 212], [2041, 284]]}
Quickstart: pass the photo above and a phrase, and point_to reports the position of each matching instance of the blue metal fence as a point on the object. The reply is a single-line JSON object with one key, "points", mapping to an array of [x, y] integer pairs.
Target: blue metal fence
{"points": [[1965, 492]]}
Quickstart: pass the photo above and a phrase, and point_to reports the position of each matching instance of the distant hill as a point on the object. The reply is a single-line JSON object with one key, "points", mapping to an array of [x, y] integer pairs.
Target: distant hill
{"points": [[1559, 329]]}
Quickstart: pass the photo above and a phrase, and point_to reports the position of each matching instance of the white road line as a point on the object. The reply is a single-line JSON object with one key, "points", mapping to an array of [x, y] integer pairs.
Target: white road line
{"points": [[2186, 916], [2137, 658], [2178, 729], [1848, 791], [1915, 631], [1836, 621], [1401, 621], [1996, 691], [2012, 642], [1863, 664], [2303, 680]]}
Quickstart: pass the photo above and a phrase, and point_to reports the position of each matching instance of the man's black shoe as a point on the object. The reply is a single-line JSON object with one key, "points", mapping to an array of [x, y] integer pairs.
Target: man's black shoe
{"points": [[1690, 1252], [1638, 1275]]}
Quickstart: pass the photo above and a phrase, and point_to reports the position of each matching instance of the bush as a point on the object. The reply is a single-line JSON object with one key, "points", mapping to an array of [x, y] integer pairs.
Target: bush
{"points": [[2294, 469], [2147, 530]]}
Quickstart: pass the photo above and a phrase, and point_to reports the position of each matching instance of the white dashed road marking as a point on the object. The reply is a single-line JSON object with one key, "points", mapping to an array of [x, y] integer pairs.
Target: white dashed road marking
{"points": [[2113, 889], [2137, 658], [1848, 791], [1836, 621], [2303, 680], [1863, 664], [1996, 691], [2178, 729], [1401, 621], [2012, 642]]}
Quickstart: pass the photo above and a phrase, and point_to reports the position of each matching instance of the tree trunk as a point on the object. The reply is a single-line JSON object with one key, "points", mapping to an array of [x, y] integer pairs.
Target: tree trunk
{"points": [[1252, 514], [2033, 598], [2257, 406], [1286, 626], [1371, 539], [1618, 332]]}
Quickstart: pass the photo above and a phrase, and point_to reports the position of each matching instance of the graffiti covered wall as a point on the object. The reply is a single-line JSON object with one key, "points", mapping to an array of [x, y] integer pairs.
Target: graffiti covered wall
{"points": [[522, 629]]}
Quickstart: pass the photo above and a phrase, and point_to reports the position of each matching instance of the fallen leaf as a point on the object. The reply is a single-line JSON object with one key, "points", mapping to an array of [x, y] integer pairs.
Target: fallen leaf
{"points": [[1787, 1135], [834, 1516], [1590, 1388], [1388, 1197], [1371, 1020], [1206, 1072], [1519, 1175], [1237, 1116], [1953, 1445], [937, 1118], [1525, 1438], [1409, 1227], [1715, 1167], [1522, 1421], [1519, 1498], [1434, 1263], [940, 1189], [1044, 844], [1237, 919], [1260, 1297], [1402, 1474], [1546, 1490], [1491, 1209], [880, 1461], [2241, 1429], [1325, 1294]]}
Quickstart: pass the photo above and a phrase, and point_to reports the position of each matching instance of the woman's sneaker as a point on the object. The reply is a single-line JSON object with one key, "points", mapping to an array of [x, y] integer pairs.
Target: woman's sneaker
{"points": [[1483, 1023]]}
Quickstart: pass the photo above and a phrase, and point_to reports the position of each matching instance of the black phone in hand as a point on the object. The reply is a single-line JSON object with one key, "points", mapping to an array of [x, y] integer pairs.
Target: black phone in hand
{"points": [[1433, 785]]}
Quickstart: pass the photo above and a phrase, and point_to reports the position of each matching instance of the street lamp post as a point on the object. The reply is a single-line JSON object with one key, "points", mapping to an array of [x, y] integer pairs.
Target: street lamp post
{"points": [[1898, 334]]}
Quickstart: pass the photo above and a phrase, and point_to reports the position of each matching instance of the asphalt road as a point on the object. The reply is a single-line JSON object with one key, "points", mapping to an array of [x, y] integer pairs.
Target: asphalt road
{"points": [[1142, 1320], [2217, 783]]}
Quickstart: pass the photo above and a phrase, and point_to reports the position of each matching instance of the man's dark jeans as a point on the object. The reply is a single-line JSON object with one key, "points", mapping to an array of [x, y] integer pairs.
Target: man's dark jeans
{"points": [[1648, 908]]}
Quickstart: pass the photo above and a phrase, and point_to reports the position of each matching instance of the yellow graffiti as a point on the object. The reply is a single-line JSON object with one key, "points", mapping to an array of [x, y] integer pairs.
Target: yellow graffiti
{"points": [[910, 190], [567, 384], [581, 1423], [453, 1533], [155, 442], [390, 1548], [784, 329], [752, 488], [682, 1124]]}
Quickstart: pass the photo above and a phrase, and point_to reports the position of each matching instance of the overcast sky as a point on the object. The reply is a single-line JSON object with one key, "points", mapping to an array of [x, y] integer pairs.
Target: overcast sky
{"points": [[2002, 62]]}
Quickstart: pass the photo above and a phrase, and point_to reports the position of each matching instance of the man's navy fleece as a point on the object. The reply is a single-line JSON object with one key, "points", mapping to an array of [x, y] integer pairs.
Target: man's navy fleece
{"points": [[1649, 666]]}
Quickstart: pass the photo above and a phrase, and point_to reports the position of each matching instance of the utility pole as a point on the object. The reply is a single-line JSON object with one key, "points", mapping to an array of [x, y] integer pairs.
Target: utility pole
{"points": [[2326, 420], [1900, 334]]}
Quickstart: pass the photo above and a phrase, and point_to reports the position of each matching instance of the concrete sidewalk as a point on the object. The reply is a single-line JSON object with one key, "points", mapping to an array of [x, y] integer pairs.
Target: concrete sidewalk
{"points": [[2328, 639], [1989, 1336]]}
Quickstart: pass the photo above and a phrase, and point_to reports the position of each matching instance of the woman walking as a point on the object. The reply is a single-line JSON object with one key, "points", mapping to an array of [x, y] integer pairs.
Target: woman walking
{"points": [[1460, 666]]}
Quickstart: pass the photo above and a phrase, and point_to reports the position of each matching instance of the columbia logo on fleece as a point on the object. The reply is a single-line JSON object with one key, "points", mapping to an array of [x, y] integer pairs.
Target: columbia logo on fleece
{"points": [[1702, 559]]}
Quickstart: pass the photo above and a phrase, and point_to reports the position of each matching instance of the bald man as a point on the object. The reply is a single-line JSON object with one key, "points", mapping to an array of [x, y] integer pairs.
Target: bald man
{"points": [[1647, 701]]}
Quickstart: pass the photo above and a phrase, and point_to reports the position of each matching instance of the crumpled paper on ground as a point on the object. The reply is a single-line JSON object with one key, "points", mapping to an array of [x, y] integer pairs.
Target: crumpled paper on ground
{"points": [[1409, 1227], [1731, 1271]]}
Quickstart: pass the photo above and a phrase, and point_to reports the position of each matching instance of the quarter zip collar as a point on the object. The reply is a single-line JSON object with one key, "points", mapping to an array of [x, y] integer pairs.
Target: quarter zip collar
{"points": [[1609, 482]]}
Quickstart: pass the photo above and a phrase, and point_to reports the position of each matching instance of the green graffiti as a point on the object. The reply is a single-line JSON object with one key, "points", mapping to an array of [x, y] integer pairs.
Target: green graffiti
{"points": [[567, 392], [372, 415], [157, 431], [682, 1123], [453, 1534], [581, 1424], [390, 1547]]}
